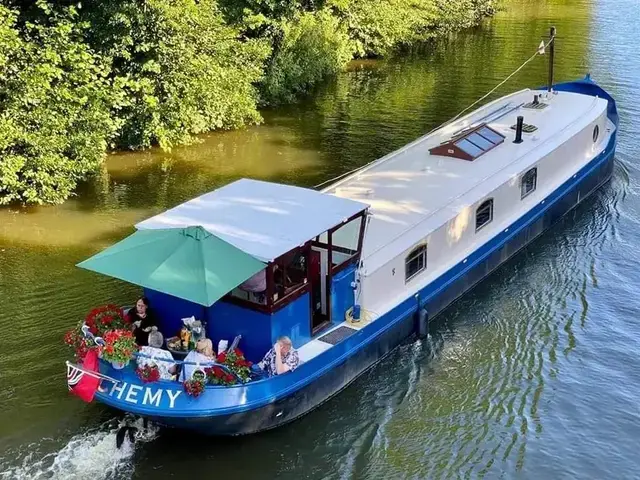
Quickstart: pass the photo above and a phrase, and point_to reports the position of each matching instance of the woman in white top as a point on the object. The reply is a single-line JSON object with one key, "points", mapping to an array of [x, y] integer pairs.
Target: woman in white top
{"points": [[157, 356], [203, 355]]}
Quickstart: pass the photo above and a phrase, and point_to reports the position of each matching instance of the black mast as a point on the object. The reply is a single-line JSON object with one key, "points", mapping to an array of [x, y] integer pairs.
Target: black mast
{"points": [[552, 44]]}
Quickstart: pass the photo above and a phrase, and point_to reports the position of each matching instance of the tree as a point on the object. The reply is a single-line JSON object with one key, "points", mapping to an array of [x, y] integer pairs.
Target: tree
{"points": [[55, 99]]}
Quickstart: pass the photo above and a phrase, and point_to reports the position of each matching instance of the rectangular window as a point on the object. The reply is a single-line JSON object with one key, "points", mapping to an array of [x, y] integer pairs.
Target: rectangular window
{"points": [[528, 182], [484, 214], [415, 262]]}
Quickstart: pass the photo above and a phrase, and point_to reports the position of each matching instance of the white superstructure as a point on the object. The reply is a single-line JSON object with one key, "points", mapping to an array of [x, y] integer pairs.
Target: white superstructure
{"points": [[418, 198]]}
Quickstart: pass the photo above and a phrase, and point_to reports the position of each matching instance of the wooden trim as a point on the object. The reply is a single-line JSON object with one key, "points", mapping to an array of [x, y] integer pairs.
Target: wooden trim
{"points": [[449, 149], [270, 285], [291, 296], [320, 327], [335, 248], [346, 263], [363, 225], [269, 309], [241, 302]]}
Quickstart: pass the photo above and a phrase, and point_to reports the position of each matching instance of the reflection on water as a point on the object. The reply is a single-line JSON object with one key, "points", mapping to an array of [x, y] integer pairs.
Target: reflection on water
{"points": [[533, 374]]}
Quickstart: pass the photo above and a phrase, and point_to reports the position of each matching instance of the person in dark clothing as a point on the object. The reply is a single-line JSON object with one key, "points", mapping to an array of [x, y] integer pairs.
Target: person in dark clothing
{"points": [[143, 320]]}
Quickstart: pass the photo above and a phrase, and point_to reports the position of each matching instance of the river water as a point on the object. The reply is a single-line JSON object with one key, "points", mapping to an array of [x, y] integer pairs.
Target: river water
{"points": [[534, 374]]}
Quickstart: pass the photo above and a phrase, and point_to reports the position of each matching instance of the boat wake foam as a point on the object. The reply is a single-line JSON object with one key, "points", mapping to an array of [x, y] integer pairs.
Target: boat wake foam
{"points": [[92, 454]]}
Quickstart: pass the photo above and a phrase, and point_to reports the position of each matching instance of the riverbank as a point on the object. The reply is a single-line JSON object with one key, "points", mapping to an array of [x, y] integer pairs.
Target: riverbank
{"points": [[79, 81]]}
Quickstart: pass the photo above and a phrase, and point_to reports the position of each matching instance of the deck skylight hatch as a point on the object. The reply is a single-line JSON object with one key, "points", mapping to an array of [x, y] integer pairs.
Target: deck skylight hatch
{"points": [[470, 144]]}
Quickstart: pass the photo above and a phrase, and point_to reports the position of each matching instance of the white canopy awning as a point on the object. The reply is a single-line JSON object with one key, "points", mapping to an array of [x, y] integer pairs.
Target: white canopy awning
{"points": [[263, 219]]}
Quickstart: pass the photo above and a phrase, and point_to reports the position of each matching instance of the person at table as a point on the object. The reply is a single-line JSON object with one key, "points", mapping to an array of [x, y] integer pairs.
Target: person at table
{"points": [[143, 319], [281, 358], [202, 356], [152, 354], [256, 286]]}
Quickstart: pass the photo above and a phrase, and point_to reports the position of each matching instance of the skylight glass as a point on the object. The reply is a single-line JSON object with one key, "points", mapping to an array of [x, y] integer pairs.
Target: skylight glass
{"points": [[469, 144], [468, 147], [490, 135], [480, 141]]}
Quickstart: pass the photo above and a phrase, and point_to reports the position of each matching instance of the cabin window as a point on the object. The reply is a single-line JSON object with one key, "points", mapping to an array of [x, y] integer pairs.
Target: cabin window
{"points": [[281, 282], [415, 262], [345, 241], [528, 182], [596, 133], [484, 214]]}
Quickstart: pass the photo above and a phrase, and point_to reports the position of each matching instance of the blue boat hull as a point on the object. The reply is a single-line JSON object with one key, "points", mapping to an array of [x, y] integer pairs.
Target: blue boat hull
{"points": [[387, 332]]}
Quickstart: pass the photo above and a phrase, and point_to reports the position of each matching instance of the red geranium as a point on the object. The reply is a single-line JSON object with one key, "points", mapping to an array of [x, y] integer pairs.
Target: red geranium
{"points": [[105, 318], [120, 346], [81, 345], [194, 387], [100, 320], [148, 373], [235, 363]]}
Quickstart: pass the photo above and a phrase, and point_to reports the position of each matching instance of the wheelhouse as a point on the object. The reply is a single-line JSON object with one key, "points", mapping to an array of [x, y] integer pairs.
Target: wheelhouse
{"points": [[310, 243]]}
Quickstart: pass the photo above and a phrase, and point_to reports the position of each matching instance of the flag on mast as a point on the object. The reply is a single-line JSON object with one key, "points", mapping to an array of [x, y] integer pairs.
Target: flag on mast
{"points": [[81, 380], [541, 48]]}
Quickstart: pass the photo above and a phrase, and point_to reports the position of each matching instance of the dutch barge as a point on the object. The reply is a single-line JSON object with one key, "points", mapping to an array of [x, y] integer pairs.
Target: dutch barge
{"points": [[373, 257]]}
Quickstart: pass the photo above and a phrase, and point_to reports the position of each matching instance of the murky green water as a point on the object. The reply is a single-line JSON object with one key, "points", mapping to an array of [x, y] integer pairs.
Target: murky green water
{"points": [[534, 374]]}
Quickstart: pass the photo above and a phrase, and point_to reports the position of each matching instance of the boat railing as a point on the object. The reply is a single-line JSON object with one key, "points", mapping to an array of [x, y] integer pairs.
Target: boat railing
{"points": [[203, 365], [225, 368]]}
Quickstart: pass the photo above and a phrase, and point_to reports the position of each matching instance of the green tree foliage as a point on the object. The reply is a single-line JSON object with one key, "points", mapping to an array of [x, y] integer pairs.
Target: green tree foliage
{"points": [[79, 78], [310, 46], [55, 118], [183, 70], [379, 26]]}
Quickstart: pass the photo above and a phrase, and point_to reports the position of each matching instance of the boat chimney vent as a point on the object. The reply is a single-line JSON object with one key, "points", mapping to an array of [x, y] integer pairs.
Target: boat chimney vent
{"points": [[535, 100], [519, 129]]}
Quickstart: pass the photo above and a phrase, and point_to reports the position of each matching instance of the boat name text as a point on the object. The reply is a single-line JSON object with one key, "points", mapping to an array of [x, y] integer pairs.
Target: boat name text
{"points": [[134, 394]]}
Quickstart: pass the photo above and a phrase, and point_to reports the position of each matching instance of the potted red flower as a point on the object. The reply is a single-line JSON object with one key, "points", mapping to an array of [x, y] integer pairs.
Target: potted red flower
{"points": [[120, 345], [99, 321], [107, 317], [75, 339], [148, 373], [235, 362], [195, 386]]}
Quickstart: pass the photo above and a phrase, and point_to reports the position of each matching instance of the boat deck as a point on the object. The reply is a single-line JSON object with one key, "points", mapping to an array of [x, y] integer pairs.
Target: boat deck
{"points": [[411, 186]]}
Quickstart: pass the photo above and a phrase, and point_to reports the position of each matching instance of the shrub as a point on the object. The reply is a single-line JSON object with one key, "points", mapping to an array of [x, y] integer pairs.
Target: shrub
{"points": [[309, 47], [55, 98]]}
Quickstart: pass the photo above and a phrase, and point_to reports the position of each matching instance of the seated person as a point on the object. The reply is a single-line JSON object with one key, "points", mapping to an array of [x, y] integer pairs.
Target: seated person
{"points": [[256, 286], [154, 350], [203, 354], [143, 319], [280, 359]]}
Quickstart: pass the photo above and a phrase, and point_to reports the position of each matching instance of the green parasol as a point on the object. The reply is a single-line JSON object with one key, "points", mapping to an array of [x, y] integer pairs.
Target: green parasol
{"points": [[188, 263]]}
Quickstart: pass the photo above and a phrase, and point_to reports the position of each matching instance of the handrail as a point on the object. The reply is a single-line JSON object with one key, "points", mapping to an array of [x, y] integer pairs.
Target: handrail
{"points": [[197, 364], [100, 342]]}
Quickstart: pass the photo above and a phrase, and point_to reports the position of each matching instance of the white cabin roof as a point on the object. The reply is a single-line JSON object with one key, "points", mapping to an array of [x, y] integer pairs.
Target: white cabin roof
{"points": [[412, 192], [263, 219]]}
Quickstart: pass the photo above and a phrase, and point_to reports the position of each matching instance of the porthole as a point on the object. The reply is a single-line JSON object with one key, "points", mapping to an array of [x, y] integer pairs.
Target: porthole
{"points": [[596, 133]]}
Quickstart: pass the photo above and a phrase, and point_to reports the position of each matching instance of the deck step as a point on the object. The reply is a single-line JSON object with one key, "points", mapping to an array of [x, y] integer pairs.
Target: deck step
{"points": [[337, 335]]}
